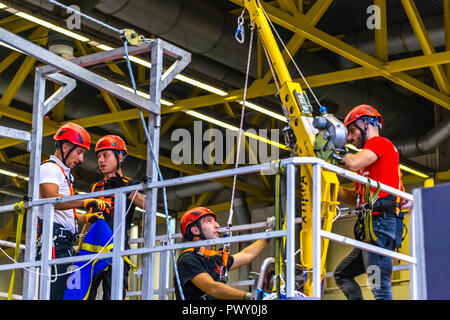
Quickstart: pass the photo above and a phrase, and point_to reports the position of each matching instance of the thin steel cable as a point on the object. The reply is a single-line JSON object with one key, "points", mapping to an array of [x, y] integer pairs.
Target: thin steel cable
{"points": [[78, 269], [87, 17], [230, 217], [166, 210], [290, 56]]}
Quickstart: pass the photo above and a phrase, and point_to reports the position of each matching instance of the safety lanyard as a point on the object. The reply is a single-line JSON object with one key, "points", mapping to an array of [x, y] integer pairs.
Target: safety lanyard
{"points": [[69, 183], [205, 252]]}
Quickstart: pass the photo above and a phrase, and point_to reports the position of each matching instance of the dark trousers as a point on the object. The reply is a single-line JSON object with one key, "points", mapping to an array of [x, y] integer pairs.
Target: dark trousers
{"points": [[377, 267], [104, 278], [63, 249], [62, 246]]}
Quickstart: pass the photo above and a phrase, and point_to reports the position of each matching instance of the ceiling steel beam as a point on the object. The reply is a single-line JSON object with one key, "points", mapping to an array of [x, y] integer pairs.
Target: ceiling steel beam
{"points": [[425, 43], [299, 26], [381, 36]]}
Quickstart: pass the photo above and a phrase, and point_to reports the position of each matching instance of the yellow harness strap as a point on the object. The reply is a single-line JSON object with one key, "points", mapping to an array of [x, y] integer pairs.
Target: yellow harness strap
{"points": [[20, 210]]}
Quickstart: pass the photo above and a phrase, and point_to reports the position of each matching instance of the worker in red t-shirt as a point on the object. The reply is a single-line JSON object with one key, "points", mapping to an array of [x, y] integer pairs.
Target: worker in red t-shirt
{"points": [[379, 161]]}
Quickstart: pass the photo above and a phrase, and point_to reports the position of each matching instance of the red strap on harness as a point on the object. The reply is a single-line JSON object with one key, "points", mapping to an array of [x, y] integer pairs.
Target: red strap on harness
{"points": [[69, 183]]}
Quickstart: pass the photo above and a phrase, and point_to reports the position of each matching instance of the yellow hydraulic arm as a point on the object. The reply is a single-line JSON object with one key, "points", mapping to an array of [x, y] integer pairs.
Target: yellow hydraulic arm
{"points": [[299, 110]]}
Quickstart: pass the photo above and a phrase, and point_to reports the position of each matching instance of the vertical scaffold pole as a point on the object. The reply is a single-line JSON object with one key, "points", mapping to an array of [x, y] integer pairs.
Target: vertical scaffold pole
{"points": [[317, 248], [154, 124], [290, 229], [46, 251], [29, 278], [118, 247]]}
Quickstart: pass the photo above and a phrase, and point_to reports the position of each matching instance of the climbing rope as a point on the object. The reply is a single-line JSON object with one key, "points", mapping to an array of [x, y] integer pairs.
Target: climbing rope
{"points": [[241, 125], [155, 162], [54, 277], [290, 56]]}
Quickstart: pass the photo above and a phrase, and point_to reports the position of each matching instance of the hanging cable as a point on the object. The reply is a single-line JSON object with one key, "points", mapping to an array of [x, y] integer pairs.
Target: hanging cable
{"points": [[54, 277], [69, 9], [290, 56], [230, 217], [155, 162]]}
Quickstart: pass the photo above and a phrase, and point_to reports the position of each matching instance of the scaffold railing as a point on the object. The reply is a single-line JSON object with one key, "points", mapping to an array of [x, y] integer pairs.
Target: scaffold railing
{"points": [[290, 166]]}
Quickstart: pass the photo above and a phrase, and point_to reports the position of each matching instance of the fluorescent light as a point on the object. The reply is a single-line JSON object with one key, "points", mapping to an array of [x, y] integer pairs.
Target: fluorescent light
{"points": [[417, 173], [35, 20], [8, 173], [233, 128], [212, 120], [13, 174], [3, 6], [9, 47], [180, 77], [202, 85], [104, 47], [403, 167], [70, 34], [52, 26], [140, 61], [264, 110], [158, 214], [265, 140], [146, 95]]}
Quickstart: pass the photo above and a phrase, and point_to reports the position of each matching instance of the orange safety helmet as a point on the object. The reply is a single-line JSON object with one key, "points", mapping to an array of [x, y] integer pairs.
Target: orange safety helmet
{"points": [[74, 134], [190, 217], [360, 111], [111, 142]]}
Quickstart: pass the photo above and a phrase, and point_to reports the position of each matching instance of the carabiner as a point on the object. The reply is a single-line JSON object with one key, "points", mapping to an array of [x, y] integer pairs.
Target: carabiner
{"points": [[240, 36]]}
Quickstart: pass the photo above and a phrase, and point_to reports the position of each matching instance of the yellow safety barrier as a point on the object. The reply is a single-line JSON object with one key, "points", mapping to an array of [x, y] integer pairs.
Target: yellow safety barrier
{"points": [[20, 210]]}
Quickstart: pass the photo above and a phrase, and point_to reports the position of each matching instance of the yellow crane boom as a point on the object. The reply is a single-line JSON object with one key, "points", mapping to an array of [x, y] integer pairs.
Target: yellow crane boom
{"points": [[299, 110]]}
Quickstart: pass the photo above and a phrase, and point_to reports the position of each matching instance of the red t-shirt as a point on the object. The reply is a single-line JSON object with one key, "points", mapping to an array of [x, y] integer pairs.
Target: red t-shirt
{"points": [[386, 168]]}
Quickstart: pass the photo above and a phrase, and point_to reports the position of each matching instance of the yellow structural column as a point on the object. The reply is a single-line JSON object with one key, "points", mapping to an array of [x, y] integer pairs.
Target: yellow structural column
{"points": [[301, 123], [429, 182]]}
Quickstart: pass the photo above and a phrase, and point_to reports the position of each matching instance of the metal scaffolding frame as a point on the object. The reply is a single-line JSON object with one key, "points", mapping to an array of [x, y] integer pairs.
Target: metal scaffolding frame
{"points": [[158, 81], [75, 70], [290, 165]]}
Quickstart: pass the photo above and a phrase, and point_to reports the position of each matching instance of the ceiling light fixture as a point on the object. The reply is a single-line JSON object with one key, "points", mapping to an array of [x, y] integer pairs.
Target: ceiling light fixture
{"points": [[403, 167], [264, 110], [233, 128]]}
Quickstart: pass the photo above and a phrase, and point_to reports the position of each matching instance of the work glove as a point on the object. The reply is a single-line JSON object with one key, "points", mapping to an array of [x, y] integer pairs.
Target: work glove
{"points": [[270, 226], [93, 217], [97, 205], [115, 182]]}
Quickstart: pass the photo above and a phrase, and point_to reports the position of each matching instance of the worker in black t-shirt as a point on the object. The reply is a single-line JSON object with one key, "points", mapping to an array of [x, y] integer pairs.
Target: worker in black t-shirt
{"points": [[203, 271]]}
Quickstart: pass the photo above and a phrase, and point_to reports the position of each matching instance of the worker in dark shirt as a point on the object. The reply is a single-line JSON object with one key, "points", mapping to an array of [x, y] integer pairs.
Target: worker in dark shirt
{"points": [[203, 271]]}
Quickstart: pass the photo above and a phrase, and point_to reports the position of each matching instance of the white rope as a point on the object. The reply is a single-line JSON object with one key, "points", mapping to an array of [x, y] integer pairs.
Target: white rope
{"points": [[290, 56], [76, 270], [230, 217]]}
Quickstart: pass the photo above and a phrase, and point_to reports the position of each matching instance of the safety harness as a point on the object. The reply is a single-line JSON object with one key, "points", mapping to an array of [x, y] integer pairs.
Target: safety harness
{"points": [[207, 253], [100, 186], [69, 183], [364, 225]]}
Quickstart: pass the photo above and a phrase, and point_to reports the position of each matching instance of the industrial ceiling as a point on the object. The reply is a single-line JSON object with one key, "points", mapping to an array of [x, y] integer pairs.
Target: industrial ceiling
{"points": [[402, 70]]}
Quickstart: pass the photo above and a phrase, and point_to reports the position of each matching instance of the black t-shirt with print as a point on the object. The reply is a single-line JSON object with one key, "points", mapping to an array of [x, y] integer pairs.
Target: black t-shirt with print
{"points": [[191, 264]]}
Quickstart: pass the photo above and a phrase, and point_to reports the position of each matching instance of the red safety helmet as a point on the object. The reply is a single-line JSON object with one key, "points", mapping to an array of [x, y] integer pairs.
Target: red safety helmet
{"points": [[111, 142], [360, 111], [75, 134], [190, 217]]}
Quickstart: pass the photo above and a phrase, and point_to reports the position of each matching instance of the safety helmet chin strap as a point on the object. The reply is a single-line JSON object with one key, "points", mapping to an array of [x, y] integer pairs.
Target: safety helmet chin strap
{"points": [[367, 120], [201, 235], [363, 132], [64, 157]]}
